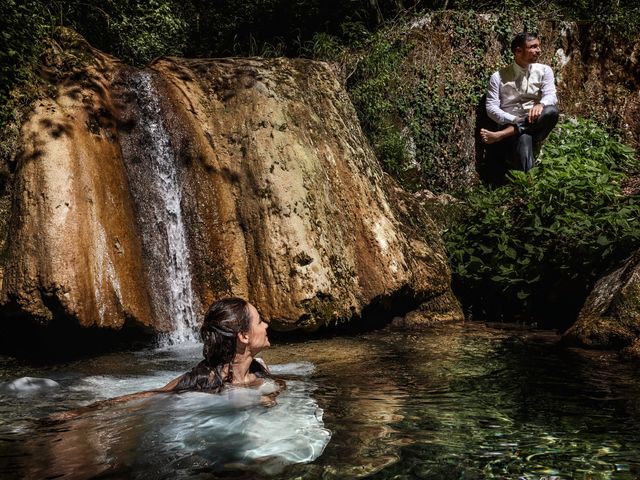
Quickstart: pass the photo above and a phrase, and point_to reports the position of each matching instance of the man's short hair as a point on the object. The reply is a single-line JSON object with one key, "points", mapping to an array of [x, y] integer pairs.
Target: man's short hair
{"points": [[521, 39]]}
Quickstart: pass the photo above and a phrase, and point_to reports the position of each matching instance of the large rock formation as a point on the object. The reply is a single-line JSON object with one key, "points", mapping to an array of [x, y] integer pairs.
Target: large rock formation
{"points": [[143, 195], [610, 318], [73, 245]]}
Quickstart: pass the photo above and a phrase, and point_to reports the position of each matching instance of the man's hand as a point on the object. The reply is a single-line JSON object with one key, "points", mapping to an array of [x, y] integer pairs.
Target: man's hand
{"points": [[535, 112]]}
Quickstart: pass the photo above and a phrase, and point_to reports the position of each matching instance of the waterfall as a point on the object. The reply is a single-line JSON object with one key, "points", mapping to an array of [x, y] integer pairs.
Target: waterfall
{"points": [[155, 184]]}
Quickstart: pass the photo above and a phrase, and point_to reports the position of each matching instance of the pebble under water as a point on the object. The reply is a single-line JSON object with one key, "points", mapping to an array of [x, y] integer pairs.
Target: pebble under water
{"points": [[458, 402]]}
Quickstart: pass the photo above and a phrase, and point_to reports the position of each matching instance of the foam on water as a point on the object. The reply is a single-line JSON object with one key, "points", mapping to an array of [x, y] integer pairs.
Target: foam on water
{"points": [[234, 429], [106, 386], [189, 348], [296, 369]]}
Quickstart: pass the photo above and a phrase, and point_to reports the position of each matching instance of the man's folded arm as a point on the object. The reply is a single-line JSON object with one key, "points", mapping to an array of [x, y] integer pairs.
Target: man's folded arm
{"points": [[493, 102], [548, 88]]}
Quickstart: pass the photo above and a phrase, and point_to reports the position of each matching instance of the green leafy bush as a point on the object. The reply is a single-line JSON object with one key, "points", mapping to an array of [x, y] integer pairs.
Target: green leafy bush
{"points": [[134, 31], [540, 241], [24, 25], [373, 90], [323, 46], [149, 29]]}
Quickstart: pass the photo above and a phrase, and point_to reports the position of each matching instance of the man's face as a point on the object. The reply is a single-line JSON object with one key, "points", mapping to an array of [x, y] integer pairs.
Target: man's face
{"points": [[529, 53]]}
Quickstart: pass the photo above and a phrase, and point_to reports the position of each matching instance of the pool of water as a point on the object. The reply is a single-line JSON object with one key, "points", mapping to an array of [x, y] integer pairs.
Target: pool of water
{"points": [[459, 402]]}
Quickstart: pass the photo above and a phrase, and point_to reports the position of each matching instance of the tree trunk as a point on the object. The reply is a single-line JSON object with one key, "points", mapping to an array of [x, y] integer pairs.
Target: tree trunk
{"points": [[376, 8]]}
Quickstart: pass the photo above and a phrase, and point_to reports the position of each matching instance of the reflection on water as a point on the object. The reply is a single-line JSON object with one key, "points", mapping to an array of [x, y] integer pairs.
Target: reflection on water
{"points": [[162, 435], [463, 402]]}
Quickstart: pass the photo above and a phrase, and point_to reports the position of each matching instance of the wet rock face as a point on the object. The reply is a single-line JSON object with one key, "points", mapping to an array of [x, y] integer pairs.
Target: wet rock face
{"points": [[610, 317], [280, 200], [286, 203], [73, 249]]}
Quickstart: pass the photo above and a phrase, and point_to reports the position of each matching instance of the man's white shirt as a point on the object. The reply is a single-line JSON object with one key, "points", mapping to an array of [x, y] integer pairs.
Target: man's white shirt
{"points": [[513, 91]]}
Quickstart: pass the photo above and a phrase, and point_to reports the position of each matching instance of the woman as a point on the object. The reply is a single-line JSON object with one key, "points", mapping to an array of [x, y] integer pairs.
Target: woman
{"points": [[233, 334]]}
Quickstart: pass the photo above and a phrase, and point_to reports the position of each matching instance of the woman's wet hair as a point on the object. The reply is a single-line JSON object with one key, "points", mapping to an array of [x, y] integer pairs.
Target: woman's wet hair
{"points": [[222, 323], [224, 320]]}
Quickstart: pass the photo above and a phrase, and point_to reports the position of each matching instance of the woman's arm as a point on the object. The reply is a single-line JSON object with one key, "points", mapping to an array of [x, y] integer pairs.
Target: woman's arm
{"points": [[76, 412], [171, 386], [70, 414]]}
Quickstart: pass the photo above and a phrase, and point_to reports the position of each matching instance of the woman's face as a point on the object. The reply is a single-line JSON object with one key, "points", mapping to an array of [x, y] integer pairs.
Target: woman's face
{"points": [[258, 339]]}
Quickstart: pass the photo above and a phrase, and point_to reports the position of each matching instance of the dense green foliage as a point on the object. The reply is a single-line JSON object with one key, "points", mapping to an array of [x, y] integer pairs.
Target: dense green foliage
{"points": [[377, 76], [138, 31], [412, 100], [545, 236], [24, 26], [279, 27], [134, 31]]}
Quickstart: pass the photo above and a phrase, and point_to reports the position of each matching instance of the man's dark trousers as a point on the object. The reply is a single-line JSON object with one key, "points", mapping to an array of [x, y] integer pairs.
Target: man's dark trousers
{"points": [[519, 149]]}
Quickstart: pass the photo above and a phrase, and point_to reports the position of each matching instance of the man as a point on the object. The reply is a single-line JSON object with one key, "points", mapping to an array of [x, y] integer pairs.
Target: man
{"points": [[521, 99]]}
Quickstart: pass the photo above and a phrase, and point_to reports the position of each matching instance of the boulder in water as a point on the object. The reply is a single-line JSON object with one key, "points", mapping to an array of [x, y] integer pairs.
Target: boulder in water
{"points": [[272, 193], [610, 317], [30, 384]]}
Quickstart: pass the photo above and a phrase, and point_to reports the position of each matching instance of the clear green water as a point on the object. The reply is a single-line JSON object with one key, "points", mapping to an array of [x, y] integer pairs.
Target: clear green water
{"points": [[461, 402]]}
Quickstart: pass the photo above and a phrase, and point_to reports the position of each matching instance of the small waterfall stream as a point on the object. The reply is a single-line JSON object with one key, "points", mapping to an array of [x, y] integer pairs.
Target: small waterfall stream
{"points": [[155, 184]]}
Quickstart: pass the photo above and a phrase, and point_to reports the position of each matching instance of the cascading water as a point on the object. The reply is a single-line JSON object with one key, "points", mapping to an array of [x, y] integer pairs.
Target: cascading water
{"points": [[155, 184]]}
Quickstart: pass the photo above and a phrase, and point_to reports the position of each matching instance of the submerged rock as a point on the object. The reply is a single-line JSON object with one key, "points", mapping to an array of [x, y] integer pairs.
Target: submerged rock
{"points": [[279, 197], [610, 317], [30, 384]]}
